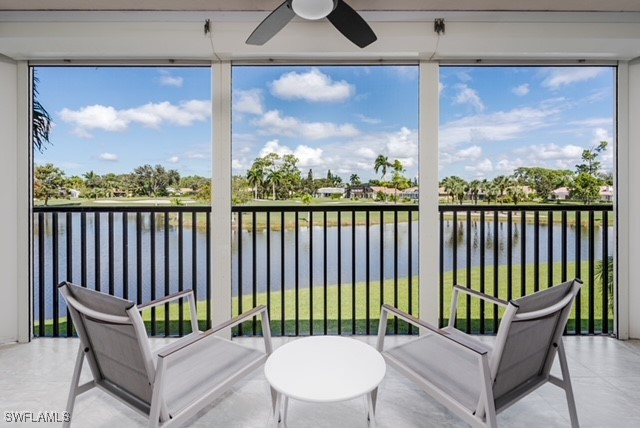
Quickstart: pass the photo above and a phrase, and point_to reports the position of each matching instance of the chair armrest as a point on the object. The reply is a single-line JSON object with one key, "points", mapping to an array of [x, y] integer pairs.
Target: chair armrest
{"points": [[166, 299], [180, 345], [480, 295], [411, 319], [175, 296], [420, 323]]}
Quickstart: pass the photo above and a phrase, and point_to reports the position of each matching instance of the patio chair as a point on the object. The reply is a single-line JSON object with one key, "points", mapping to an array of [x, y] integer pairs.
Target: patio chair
{"points": [[170, 385], [476, 381]]}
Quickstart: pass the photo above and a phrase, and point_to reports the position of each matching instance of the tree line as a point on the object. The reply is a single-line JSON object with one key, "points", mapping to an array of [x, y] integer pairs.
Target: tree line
{"points": [[583, 183], [150, 181], [278, 177]]}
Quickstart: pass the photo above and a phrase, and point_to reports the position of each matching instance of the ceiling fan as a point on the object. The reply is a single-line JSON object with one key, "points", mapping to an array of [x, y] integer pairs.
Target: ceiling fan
{"points": [[340, 14]]}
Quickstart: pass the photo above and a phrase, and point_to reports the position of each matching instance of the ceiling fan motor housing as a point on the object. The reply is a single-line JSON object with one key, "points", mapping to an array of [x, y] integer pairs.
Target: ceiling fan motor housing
{"points": [[313, 9]]}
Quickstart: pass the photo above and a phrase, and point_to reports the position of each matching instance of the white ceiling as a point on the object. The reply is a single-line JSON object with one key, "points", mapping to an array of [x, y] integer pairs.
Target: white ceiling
{"points": [[361, 5], [160, 30]]}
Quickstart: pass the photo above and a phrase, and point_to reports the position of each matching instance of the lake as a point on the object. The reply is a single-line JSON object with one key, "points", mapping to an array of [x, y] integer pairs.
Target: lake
{"points": [[304, 261]]}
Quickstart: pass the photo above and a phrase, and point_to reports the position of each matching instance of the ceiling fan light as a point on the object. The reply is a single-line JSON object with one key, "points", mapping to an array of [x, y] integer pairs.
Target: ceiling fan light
{"points": [[312, 9]]}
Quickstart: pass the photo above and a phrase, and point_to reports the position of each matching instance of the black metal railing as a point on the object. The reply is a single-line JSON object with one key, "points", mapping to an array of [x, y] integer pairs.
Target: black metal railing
{"points": [[510, 251], [322, 269], [138, 253], [326, 269]]}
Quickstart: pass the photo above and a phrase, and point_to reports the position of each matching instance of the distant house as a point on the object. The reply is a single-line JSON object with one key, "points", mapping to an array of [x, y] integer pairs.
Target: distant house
{"points": [[362, 191], [606, 193], [410, 193], [561, 193], [528, 191], [74, 194], [330, 192], [442, 194], [389, 191]]}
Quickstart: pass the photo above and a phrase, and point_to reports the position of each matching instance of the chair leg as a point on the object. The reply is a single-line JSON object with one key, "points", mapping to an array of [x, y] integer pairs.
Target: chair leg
{"points": [[75, 382], [568, 389], [371, 416], [374, 397], [277, 414], [274, 396]]}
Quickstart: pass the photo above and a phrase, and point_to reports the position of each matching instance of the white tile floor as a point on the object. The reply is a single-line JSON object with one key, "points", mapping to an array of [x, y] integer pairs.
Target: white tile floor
{"points": [[35, 377]]}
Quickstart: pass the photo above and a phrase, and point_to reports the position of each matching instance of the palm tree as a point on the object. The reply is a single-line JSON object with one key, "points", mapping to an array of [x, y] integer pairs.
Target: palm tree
{"points": [[92, 181], [599, 275], [382, 163], [398, 169], [516, 193], [274, 178], [475, 187], [255, 176], [502, 182], [454, 186], [41, 124], [354, 179]]}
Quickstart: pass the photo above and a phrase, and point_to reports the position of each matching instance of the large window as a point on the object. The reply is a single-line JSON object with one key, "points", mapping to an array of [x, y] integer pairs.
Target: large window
{"points": [[325, 165], [122, 188], [527, 185]]}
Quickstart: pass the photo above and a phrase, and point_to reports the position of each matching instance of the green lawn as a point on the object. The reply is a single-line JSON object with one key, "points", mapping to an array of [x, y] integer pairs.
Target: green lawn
{"points": [[311, 304]]}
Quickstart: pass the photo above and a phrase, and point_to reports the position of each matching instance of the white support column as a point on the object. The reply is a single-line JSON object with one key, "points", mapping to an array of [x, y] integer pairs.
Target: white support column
{"points": [[628, 201], [24, 187], [428, 179], [221, 193], [9, 214]]}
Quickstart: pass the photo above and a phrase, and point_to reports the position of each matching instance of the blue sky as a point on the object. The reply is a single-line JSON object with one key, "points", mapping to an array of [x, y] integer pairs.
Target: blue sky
{"points": [[492, 119]]}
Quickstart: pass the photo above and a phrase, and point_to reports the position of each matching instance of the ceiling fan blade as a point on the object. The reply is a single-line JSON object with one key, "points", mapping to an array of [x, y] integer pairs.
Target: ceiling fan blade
{"points": [[272, 24], [352, 25]]}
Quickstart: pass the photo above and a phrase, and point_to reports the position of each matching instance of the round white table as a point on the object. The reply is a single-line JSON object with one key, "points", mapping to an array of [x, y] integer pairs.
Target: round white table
{"points": [[324, 369]]}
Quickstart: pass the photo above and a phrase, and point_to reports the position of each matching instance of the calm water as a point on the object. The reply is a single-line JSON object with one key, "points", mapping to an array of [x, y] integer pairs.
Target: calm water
{"points": [[304, 261]]}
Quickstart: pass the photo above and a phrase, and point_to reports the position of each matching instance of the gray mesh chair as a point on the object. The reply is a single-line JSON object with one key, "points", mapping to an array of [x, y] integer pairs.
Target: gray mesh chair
{"points": [[477, 381], [171, 385]]}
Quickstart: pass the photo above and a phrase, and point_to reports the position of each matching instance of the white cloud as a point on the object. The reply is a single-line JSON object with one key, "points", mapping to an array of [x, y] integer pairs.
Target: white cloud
{"points": [[464, 75], [506, 166], [308, 157], [362, 151], [347, 156], [547, 152], [153, 115], [601, 134], [473, 152], [403, 145], [238, 166], [558, 77], [593, 122], [369, 120], [499, 126], [273, 123], [313, 86], [467, 95], [407, 72], [173, 159], [109, 157], [366, 153], [521, 90], [250, 101], [167, 80], [481, 168]]}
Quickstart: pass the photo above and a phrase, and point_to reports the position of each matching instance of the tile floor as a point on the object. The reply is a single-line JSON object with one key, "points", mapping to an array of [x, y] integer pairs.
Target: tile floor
{"points": [[35, 377]]}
